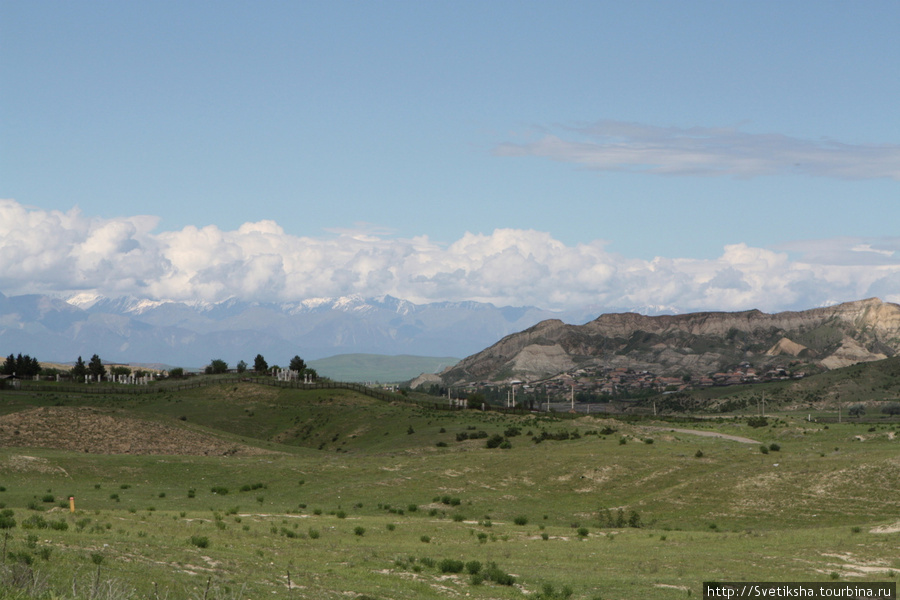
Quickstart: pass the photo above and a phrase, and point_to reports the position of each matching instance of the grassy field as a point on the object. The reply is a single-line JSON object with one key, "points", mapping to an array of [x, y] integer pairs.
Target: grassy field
{"points": [[351, 497]]}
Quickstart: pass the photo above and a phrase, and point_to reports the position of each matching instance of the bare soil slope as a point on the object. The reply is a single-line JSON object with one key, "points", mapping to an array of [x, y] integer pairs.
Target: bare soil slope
{"points": [[98, 432]]}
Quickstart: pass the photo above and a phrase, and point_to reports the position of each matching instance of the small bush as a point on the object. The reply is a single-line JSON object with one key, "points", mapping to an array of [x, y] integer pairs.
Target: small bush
{"points": [[757, 422], [698, 454], [494, 441], [583, 532], [425, 539], [313, 533], [495, 574], [450, 565], [340, 514], [764, 449], [473, 567], [391, 527], [48, 498], [7, 521], [201, 541], [360, 531], [521, 520], [774, 447], [219, 490]]}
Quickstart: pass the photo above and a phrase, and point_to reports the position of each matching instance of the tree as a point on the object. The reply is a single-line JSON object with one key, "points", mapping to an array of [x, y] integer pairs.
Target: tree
{"points": [[96, 368], [119, 370], [241, 366], [297, 364], [891, 409], [217, 366], [857, 410], [259, 364], [79, 370], [176, 373], [21, 366]]}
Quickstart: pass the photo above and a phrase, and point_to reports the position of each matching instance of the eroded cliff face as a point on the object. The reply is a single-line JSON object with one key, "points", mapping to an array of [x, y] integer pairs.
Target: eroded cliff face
{"points": [[695, 344]]}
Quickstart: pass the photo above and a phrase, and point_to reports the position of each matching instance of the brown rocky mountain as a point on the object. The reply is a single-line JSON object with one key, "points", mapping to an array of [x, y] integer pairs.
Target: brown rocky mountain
{"points": [[693, 344]]}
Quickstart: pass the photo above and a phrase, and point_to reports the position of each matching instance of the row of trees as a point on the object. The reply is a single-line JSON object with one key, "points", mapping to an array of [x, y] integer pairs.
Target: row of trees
{"points": [[21, 366], [260, 367], [25, 366]]}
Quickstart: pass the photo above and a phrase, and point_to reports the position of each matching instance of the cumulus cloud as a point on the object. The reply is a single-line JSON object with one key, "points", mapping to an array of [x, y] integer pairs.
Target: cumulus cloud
{"points": [[704, 151], [68, 253]]}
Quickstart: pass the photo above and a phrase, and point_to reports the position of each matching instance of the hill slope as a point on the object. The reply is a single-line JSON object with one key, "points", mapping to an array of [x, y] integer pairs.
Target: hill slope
{"points": [[695, 344]]}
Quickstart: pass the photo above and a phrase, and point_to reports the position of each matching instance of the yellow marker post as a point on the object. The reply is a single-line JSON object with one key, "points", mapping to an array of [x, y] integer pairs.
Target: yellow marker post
{"points": [[72, 504]]}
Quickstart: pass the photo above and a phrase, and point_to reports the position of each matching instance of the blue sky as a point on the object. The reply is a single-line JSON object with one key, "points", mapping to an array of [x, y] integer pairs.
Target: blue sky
{"points": [[689, 155]]}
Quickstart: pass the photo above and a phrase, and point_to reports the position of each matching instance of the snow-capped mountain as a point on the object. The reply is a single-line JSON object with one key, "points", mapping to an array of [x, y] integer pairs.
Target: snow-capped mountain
{"points": [[128, 329]]}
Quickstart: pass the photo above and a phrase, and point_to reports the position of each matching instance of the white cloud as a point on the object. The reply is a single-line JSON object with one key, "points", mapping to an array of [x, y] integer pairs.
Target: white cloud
{"points": [[64, 253], [704, 151]]}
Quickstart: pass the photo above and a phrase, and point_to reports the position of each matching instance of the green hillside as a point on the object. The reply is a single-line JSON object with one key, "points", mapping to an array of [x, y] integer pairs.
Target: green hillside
{"points": [[379, 367], [333, 494]]}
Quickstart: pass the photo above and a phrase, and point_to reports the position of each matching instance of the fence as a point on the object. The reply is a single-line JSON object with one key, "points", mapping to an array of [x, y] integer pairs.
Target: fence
{"points": [[198, 382]]}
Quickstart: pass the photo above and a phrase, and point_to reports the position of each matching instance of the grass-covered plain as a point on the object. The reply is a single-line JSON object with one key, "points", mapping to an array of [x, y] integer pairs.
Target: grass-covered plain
{"points": [[356, 497]]}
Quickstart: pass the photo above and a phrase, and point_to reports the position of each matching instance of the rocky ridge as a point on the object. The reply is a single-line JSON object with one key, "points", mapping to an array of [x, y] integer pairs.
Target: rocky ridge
{"points": [[693, 344]]}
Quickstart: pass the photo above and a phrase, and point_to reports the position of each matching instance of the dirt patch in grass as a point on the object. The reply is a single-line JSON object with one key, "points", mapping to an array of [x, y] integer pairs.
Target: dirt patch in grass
{"points": [[96, 432]]}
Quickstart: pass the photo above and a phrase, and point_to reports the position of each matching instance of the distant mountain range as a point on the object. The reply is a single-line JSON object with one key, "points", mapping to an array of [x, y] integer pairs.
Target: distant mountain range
{"points": [[695, 344], [133, 330]]}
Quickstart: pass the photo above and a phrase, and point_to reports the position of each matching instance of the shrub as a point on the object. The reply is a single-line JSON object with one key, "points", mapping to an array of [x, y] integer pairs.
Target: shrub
{"points": [[425, 539], [583, 532], [35, 522], [648, 441], [698, 454], [774, 447], [201, 541], [360, 531], [48, 498], [495, 574], [220, 490], [634, 519], [521, 520], [450, 565], [458, 518], [313, 533], [340, 514], [545, 536], [391, 527], [764, 449], [473, 567], [494, 441], [412, 507], [757, 422], [6, 519]]}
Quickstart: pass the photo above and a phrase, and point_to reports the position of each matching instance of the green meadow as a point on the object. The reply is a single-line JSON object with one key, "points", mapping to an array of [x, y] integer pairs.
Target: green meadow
{"points": [[332, 494]]}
